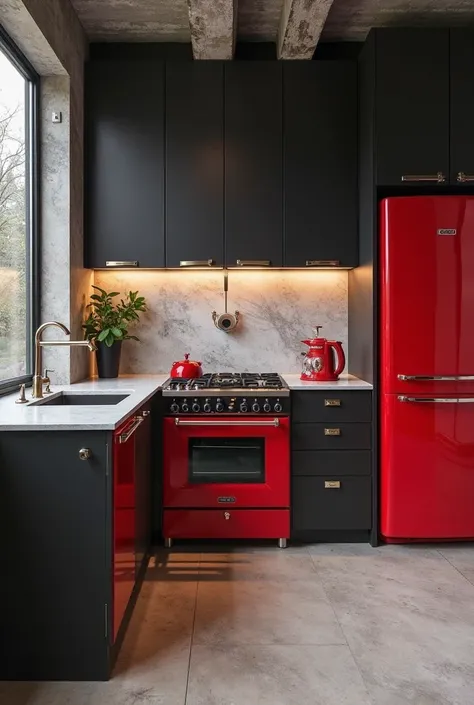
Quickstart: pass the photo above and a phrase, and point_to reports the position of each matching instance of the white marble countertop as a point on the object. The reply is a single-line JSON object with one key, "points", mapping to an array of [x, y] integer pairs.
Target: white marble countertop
{"points": [[343, 384], [29, 417]]}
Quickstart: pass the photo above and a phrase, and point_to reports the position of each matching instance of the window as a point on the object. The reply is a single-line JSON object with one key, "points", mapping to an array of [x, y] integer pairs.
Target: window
{"points": [[19, 294]]}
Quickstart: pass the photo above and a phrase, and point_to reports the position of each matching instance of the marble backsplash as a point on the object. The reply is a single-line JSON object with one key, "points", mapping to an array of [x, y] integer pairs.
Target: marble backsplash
{"points": [[278, 309]]}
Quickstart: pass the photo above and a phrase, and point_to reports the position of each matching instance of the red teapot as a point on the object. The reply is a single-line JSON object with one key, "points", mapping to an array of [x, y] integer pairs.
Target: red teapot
{"points": [[187, 369], [319, 363]]}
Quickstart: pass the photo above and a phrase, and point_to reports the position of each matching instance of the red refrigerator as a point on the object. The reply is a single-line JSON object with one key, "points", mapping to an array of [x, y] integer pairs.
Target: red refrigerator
{"points": [[427, 368]]}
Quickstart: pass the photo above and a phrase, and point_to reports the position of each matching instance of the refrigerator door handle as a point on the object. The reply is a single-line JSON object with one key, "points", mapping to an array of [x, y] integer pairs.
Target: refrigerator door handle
{"points": [[437, 400], [436, 378]]}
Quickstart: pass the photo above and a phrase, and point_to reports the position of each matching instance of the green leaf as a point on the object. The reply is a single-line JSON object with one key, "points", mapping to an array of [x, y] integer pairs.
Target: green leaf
{"points": [[117, 332], [96, 297], [103, 334], [110, 340], [113, 293]]}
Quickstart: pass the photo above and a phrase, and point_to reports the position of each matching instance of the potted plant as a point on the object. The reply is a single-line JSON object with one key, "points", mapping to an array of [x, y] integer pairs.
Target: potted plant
{"points": [[107, 326]]}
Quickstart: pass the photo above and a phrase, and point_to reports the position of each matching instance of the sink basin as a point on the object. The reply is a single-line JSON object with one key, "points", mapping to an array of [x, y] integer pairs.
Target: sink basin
{"points": [[65, 399]]}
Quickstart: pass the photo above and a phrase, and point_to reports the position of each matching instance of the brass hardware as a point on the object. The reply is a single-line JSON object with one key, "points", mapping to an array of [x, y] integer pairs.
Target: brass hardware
{"points": [[227, 515], [332, 402], [253, 262], [332, 484], [438, 178], [85, 453], [332, 431], [47, 381], [122, 263], [38, 378], [22, 398], [126, 435], [323, 263], [436, 378], [437, 400], [146, 413], [246, 422], [462, 177], [197, 263]]}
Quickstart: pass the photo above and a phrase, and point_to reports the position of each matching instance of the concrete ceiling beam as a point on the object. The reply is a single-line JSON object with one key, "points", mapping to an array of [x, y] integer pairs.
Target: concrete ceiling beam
{"points": [[301, 24], [213, 25]]}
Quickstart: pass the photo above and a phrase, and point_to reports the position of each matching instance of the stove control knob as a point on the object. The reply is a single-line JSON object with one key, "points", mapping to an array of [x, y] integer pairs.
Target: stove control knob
{"points": [[207, 406], [244, 406], [184, 407], [266, 406], [256, 407], [277, 408], [219, 405], [174, 408], [196, 406]]}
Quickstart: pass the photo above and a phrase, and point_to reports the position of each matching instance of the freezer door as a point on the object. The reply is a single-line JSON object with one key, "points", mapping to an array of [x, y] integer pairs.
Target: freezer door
{"points": [[427, 294], [427, 467]]}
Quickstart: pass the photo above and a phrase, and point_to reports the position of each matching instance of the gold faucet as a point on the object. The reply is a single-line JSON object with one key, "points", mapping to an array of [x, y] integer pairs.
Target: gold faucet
{"points": [[38, 379]]}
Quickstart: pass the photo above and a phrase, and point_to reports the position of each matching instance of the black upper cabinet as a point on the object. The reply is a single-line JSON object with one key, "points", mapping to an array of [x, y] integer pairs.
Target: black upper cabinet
{"points": [[320, 162], [125, 162], [253, 162], [194, 162], [462, 105], [412, 87]]}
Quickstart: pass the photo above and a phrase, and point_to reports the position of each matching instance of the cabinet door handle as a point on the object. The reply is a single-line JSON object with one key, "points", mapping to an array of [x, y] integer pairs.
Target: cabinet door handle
{"points": [[332, 431], [323, 263], [197, 263], [331, 402], [122, 263], [437, 400], [438, 178], [462, 177], [332, 484], [253, 262], [124, 437], [85, 453]]}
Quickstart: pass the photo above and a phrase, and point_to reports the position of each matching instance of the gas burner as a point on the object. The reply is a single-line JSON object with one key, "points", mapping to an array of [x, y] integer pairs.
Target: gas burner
{"points": [[245, 383], [182, 384]]}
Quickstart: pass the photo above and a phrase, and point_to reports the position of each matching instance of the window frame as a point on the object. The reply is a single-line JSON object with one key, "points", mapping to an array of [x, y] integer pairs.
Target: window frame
{"points": [[32, 188]]}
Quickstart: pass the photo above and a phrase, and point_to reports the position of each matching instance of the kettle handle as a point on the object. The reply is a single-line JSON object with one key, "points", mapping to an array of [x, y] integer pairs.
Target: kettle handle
{"points": [[337, 345]]}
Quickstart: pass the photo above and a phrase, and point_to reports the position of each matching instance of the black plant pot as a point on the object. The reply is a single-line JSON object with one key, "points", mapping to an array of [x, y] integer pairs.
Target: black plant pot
{"points": [[108, 359]]}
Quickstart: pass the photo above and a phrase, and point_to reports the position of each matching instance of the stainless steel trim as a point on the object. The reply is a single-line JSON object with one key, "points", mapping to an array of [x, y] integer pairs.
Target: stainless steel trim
{"points": [[121, 263], [281, 543], [323, 263], [462, 177], [124, 437], [254, 262], [437, 400], [436, 378], [213, 392], [197, 263], [230, 422], [438, 178]]}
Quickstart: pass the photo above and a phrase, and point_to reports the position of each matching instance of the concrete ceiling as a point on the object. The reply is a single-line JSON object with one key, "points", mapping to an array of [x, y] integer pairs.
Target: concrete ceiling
{"points": [[259, 20]]}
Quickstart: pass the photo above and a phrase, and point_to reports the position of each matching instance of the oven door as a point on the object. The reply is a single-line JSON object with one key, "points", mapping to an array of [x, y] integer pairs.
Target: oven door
{"points": [[231, 461]]}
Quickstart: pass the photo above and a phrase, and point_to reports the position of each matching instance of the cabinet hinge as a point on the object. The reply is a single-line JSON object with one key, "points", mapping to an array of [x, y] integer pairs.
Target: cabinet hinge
{"points": [[106, 620]]}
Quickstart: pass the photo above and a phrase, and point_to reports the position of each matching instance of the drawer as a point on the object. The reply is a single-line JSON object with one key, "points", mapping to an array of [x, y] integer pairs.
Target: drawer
{"points": [[346, 507], [331, 406], [226, 523], [331, 436], [331, 462]]}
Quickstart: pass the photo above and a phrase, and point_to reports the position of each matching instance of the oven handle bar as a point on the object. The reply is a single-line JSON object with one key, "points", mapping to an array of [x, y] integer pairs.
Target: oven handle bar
{"points": [[438, 400], [436, 378], [124, 437], [246, 422]]}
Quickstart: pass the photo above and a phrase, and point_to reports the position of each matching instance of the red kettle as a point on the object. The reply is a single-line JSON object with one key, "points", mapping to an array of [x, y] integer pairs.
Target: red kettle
{"points": [[319, 361], [186, 369]]}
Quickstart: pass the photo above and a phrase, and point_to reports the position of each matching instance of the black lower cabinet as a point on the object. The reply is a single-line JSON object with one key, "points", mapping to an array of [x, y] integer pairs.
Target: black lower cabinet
{"points": [[57, 498], [332, 503]]}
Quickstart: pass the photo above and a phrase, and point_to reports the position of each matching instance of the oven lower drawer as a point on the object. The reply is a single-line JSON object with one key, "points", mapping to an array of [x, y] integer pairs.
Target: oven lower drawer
{"points": [[226, 523]]}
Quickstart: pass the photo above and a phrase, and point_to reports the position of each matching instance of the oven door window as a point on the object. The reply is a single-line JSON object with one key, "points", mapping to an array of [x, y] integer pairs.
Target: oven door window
{"points": [[226, 460]]}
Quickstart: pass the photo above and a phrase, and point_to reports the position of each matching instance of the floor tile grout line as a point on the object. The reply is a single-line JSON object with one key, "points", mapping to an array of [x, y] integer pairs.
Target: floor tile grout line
{"points": [[192, 631], [342, 630], [455, 567]]}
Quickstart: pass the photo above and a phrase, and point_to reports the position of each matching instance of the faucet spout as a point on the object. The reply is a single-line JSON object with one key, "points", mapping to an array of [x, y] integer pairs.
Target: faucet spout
{"points": [[39, 344]]}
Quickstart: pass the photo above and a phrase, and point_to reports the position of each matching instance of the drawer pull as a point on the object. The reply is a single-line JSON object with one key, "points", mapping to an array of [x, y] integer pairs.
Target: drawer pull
{"points": [[332, 484], [332, 431], [439, 177], [332, 402]]}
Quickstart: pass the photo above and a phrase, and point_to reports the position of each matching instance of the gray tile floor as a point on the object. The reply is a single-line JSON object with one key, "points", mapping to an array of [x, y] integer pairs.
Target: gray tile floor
{"points": [[334, 624]]}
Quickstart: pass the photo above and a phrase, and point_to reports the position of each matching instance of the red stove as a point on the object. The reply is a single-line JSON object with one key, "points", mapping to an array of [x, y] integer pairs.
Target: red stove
{"points": [[227, 458]]}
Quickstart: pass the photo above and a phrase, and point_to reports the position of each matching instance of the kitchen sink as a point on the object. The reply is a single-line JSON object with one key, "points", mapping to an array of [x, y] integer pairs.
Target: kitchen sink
{"points": [[65, 399]]}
